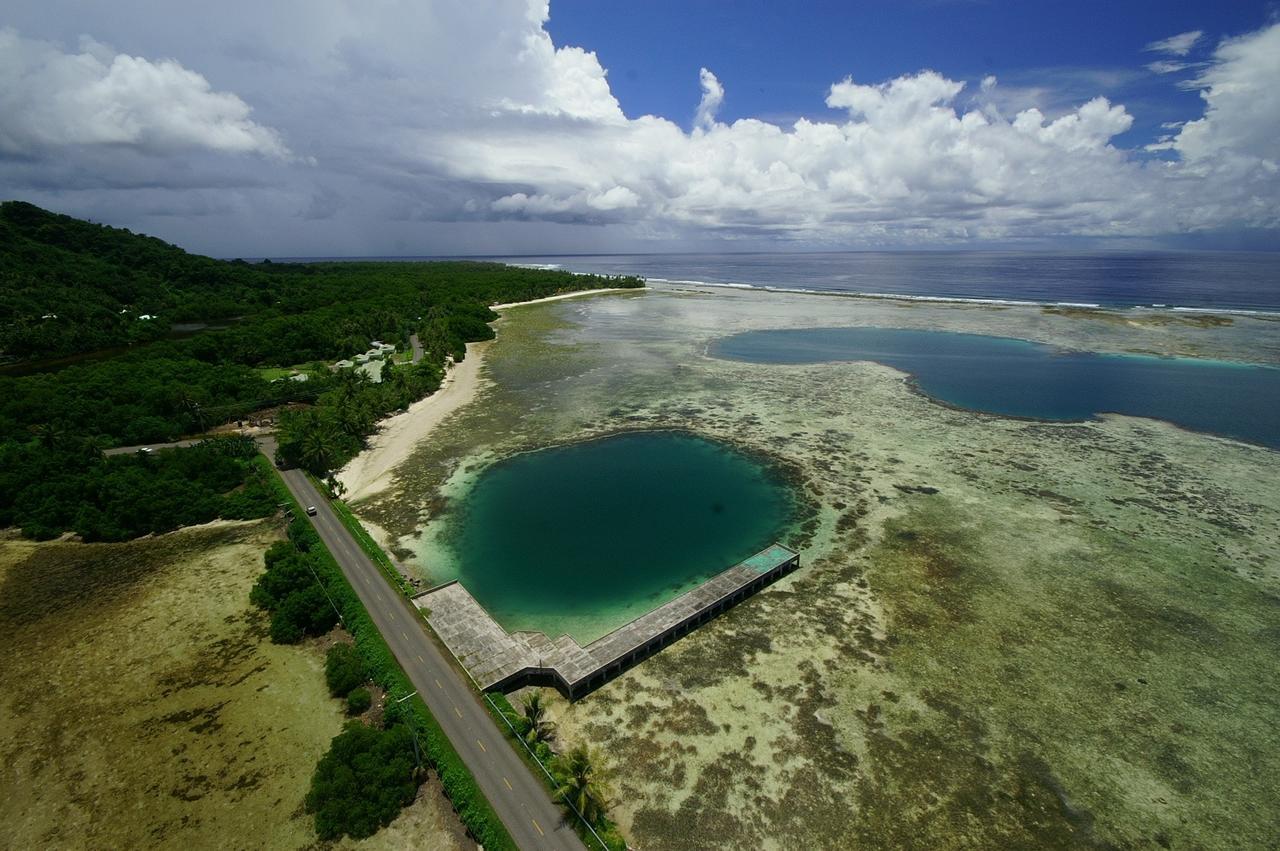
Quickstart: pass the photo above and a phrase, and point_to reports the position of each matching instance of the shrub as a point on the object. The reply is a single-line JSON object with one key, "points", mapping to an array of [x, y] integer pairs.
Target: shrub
{"points": [[304, 612], [358, 701], [363, 781], [290, 589], [286, 571], [284, 631], [343, 669]]}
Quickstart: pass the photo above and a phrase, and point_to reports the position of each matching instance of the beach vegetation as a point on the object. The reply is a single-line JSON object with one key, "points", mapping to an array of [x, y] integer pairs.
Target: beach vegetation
{"points": [[324, 436]]}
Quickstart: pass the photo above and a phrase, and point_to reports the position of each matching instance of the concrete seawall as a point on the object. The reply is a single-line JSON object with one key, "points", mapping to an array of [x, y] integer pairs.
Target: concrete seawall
{"points": [[503, 661]]}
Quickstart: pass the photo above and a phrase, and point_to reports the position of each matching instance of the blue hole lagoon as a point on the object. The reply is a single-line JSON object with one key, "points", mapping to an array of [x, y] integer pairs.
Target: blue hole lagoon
{"points": [[1012, 377], [584, 537]]}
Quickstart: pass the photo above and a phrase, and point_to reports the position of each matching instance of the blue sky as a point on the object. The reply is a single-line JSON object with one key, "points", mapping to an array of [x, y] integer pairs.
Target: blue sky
{"points": [[417, 127], [777, 59]]}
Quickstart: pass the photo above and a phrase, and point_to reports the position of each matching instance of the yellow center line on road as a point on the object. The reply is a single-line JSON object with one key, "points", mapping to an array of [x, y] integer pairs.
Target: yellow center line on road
{"points": [[420, 659], [482, 747], [508, 782], [457, 711], [438, 684], [538, 826], [404, 635]]}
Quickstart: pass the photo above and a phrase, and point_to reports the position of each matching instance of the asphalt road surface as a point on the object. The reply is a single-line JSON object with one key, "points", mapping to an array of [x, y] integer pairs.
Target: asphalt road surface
{"points": [[129, 450], [520, 799]]}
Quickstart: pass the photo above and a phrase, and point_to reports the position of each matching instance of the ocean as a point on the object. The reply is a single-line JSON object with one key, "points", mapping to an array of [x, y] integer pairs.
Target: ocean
{"points": [[1202, 280]]}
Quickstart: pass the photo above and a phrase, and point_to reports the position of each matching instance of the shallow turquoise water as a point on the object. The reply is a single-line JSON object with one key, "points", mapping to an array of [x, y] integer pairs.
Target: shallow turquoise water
{"points": [[584, 537], [1020, 378]]}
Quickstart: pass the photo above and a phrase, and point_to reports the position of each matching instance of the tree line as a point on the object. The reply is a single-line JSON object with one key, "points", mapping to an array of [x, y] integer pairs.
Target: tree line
{"points": [[69, 287], [56, 483]]}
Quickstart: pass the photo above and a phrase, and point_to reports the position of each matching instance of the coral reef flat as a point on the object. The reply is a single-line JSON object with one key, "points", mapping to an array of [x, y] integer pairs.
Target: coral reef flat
{"points": [[1005, 632]]}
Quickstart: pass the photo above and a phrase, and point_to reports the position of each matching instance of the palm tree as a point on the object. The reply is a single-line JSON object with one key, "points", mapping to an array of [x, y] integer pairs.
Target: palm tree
{"points": [[580, 786], [351, 382], [354, 418], [190, 407], [52, 435], [319, 445], [537, 727]]}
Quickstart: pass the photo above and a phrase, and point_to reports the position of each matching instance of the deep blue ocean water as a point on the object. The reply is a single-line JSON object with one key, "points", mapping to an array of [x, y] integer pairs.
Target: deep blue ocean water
{"points": [[1205, 279], [1024, 379]]}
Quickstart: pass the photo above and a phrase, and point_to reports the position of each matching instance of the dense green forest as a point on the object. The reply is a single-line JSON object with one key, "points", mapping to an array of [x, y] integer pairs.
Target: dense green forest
{"points": [[68, 286], [71, 289], [56, 484]]}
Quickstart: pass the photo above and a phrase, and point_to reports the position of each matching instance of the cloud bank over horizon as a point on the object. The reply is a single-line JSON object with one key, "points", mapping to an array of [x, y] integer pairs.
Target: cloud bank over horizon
{"points": [[333, 128]]}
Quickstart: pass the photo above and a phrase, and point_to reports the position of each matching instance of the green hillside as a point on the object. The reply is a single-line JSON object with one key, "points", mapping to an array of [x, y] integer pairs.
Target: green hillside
{"points": [[69, 287]]}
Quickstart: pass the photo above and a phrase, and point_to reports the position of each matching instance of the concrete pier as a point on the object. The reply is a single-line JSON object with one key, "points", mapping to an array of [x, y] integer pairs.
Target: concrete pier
{"points": [[498, 660]]}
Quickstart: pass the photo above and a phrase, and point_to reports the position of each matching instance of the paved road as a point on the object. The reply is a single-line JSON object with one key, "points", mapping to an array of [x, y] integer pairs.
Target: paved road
{"points": [[129, 450], [416, 345], [521, 800]]}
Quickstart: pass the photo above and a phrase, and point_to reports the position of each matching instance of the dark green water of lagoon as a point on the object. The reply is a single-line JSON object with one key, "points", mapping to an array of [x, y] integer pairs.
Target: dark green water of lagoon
{"points": [[569, 538], [1018, 378]]}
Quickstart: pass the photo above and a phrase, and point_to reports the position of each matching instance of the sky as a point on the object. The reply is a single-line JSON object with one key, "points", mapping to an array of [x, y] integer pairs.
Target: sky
{"points": [[307, 128]]}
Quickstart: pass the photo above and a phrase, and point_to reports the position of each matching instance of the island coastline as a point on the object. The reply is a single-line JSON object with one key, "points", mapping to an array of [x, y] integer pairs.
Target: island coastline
{"points": [[370, 472]]}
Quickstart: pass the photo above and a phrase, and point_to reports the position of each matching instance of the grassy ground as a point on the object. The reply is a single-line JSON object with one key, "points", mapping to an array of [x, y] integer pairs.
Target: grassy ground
{"points": [[271, 373], [144, 706]]}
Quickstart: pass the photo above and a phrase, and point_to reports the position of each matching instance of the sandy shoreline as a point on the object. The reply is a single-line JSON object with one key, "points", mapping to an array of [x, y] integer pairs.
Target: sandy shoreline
{"points": [[562, 296], [370, 471]]}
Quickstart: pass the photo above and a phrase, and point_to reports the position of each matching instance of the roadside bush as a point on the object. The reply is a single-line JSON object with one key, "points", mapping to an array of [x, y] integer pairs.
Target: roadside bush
{"points": [[284, 631], [363, 781], [343, 669], [358, 701], [290, 591], [304, 612], [286, 571]]}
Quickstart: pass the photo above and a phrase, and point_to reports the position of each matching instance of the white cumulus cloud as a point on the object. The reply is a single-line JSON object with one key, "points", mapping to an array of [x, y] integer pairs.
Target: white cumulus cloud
{"points": [[712, 97], [1241, 91], [51, 98]]}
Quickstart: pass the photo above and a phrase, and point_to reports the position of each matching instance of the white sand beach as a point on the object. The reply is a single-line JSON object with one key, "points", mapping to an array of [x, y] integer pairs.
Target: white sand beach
{"points": [[562, 296], [370, 471]]}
